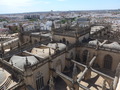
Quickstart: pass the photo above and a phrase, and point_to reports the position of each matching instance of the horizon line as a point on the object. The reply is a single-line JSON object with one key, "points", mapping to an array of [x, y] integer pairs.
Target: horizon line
{"points": [[56, 11]]}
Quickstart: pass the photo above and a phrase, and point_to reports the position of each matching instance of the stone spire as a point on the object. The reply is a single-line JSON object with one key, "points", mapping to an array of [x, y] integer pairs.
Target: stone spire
{"points": [[76, 33], [111, 86], [11, 62], [27, 63], [40, 37], [117, 70], [116, 78], [53, 26], [67, 25], [97, 46], [51, 84], [21, 33], [88, 60], [49, 52], [18, 44], [2, 50], [30, 41], [104, 85], [52, 30], [57, 48], [10, 46], [74, 74]]}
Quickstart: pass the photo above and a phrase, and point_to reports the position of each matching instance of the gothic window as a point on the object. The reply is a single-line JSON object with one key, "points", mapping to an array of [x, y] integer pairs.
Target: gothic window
{"points": [[39, 81], [84, 56], [108, 62], [77, 58]]}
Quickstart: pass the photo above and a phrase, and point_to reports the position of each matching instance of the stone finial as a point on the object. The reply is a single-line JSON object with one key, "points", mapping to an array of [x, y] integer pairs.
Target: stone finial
{"points": [[52, 30], [97, 46], [51, 84], [57, 48], [2, 48], [74, 74], [49, 51], [111, 86], [11, 62], [88, 60], [43, 50], [104, 85], [18, 44], [118, 70], [27, 62], [53, 26]]}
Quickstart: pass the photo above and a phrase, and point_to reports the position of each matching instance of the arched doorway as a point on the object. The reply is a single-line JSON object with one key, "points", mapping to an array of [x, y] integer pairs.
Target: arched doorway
{"points": [[84, 56], [108, 61]]}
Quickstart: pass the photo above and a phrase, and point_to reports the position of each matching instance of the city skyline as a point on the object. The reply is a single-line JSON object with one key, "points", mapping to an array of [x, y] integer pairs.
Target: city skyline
{"points": [[21, 6]]}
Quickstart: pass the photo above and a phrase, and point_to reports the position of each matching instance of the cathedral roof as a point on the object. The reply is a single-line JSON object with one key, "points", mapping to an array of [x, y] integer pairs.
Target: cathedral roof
{"points": [[21, 61], [47, 50], [113, 45], [94, 42], [9, 41], [43, 52], [2, 76], [42, 34], [60, 46]]}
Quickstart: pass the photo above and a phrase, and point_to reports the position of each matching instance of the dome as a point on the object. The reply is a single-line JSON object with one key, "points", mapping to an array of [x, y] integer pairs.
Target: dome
{"points": [[60, 46], [94, 42], [2, 76], [95, 28], [43, 52], [46, 35], [113, 45], [20, 61]]}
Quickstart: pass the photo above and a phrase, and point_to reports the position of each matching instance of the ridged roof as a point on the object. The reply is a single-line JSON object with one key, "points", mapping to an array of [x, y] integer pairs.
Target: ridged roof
{"points": [[20, 61], [2, 76]]}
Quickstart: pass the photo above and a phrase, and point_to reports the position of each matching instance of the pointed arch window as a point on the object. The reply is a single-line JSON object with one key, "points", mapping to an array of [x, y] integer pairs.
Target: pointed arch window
{"points": [[84, 56], [39, 81], [108, 61]]}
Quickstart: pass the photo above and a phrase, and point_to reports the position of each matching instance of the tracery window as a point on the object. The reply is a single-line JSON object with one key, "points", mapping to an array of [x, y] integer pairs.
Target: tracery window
{"points": [[39, 81], [84, 56], [108, 61]]}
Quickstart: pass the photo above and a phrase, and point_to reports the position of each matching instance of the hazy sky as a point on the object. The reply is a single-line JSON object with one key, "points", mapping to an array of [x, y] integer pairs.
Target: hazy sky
{"points": [[19, 6]]}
